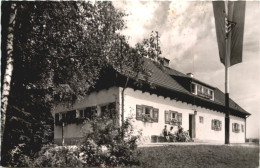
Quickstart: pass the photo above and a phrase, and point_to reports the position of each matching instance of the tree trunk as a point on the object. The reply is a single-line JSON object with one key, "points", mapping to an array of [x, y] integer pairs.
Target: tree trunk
{"points": [[9, 67]]}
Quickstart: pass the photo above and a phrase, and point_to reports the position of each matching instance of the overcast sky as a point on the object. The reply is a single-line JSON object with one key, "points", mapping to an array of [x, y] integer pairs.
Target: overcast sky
{"points": [[188, 39]]}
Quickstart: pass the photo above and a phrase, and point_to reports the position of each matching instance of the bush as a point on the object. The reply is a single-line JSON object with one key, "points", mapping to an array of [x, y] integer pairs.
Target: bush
{"points": [[110, 144], [107, 145]]}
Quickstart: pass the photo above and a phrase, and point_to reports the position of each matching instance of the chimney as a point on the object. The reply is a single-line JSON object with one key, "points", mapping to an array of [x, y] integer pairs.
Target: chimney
{"points": [[164, 61], [190, 74]]}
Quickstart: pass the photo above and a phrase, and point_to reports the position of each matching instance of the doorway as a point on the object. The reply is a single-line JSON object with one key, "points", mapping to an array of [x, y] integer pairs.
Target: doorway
{"points": [[191, 126]]}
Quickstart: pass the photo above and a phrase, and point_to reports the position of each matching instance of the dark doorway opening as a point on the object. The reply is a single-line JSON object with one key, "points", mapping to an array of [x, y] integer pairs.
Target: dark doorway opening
{"points": [[191, 126]]}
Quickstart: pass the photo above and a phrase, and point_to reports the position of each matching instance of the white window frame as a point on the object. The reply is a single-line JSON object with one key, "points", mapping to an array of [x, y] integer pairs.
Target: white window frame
{"points": [[202, 91]]}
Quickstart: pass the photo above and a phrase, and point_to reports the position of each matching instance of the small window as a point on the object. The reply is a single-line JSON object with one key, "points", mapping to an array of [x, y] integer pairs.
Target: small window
{"points": [[148, 111], [57, 118], [216, 125], [193, 88], [89, 112], [199, 91], [173, 115], [71, 116], [81, 113], [63, 116], [201, 119], [235, 127]]}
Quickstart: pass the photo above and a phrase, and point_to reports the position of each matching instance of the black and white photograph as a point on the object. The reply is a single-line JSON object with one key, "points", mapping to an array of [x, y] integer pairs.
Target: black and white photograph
{"points": [[130, 84]]}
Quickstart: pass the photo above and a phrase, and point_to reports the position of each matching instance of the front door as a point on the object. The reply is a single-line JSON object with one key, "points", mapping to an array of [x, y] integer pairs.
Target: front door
{"points": [[191, 126]]}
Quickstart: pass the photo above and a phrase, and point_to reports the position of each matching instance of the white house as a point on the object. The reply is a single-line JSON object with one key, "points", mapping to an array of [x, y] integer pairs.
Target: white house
{"points": [[173, 98]]}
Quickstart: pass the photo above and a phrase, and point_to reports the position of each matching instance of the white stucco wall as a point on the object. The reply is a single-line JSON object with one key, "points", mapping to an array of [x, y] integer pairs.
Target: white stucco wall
{"points": [[95, 98], [132, 98], [240, 136], [203, 130]]}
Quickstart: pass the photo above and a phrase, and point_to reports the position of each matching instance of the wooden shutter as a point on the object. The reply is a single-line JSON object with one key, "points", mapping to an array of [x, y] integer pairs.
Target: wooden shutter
{"points": [[220, 125], [233, 127], [212, 124], [156, 114], [167, 118], [179, 117], [139, 111]]}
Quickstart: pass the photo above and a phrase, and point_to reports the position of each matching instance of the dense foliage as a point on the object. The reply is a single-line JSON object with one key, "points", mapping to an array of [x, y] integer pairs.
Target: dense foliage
{"points": [[103, 147], [59, 49]]}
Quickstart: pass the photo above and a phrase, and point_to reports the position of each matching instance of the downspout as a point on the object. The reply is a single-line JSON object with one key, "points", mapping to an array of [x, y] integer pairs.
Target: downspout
{"points": [[122, 116], [245, 126], [62, 133]]}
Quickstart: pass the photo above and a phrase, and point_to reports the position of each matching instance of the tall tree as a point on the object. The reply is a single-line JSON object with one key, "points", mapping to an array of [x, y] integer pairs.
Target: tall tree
{"points": [[59, 49], [9, 66]]}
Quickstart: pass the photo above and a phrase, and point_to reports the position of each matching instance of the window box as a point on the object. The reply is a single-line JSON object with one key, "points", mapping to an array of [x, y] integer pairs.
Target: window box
{"points": [[147, 113], [173, 117]]}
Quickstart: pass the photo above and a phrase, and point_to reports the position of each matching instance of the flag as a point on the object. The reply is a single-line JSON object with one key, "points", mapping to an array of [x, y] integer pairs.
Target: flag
{"points": [[232, 25]]}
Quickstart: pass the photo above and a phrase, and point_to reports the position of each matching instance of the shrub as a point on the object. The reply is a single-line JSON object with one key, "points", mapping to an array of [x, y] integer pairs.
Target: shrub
{"points": [[107, 145], [110, 144]]}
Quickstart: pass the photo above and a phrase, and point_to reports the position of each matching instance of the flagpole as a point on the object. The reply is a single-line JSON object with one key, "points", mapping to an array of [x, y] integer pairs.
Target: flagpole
{"points": [[227, 64]]}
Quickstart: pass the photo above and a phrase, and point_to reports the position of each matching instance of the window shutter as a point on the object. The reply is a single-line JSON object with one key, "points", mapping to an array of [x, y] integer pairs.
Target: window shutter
{"points": [[212, 124], [179, 117], [167, 118], [139, 111], [220, 125], [155, 114], [77, 113], [238, 127], [233, 127]]}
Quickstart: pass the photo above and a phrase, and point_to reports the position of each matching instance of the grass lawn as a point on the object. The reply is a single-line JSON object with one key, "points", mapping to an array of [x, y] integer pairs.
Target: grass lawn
{"points": [[199, 156]]}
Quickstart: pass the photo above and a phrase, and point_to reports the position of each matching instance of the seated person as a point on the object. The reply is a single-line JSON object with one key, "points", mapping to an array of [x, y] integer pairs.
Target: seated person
{"points": [[172, 134], [166, 133]]}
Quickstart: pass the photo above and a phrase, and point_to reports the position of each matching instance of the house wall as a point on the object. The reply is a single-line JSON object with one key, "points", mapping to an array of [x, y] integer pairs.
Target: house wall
{"points": [[72, 132], [203, 131], [240, 136]]}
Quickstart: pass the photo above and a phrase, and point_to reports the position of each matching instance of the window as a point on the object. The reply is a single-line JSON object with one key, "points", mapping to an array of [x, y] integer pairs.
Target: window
{"points": [[147, 113], [216, 125], [199, 89], [89, 112], [173, 117], [63, 116], [81, 113], [201, 119], [242, 128], [202, 91], [57, 120], [235, 127], [109, 110], [71, 116], [193, 88]]}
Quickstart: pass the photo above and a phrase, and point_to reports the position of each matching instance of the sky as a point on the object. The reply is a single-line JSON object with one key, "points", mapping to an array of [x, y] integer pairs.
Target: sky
{"points": [[188, 39]]}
